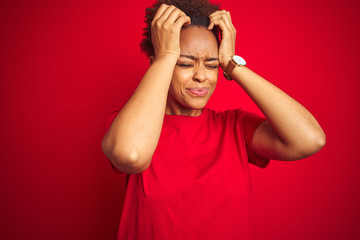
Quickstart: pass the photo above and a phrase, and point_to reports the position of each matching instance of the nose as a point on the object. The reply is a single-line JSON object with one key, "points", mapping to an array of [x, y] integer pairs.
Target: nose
{"points": [[200, 74]]}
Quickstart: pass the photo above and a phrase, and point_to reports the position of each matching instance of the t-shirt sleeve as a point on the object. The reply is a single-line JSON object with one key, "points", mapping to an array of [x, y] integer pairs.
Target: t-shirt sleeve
{"points": [[250, 121], [109, 121]]}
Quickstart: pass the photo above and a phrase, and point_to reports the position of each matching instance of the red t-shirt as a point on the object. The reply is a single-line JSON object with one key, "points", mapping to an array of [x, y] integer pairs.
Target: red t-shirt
{"points": [[197, 185]]}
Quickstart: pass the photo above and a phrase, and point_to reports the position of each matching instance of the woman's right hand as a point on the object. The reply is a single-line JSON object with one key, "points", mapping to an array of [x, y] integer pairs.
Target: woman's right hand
{"points": [[165, 30]]}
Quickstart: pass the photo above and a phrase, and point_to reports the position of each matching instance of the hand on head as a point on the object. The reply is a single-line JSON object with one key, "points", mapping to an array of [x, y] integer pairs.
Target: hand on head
{"points": [[165, 30], [228, 35], [167, 24]]}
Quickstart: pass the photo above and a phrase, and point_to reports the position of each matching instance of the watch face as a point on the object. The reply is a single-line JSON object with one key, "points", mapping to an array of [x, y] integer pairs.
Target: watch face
{"points": [[239, 60]]}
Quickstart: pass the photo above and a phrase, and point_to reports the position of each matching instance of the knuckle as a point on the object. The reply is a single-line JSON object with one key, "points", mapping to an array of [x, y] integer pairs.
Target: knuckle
{"points": [[178, 11], [157, 24], [167, 27]]}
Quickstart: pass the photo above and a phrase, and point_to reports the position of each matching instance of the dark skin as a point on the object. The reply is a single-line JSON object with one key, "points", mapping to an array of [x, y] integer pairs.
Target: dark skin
{"points": [[181, 79]]}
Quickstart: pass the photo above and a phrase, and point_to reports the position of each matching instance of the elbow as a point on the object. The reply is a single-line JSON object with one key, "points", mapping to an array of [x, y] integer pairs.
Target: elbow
{"points": [[312, 146], [319, 141], [130, 163], [126, 160]]}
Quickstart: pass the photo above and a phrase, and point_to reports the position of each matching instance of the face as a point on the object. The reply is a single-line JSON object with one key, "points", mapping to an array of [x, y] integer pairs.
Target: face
{"points": [[195, 74]]}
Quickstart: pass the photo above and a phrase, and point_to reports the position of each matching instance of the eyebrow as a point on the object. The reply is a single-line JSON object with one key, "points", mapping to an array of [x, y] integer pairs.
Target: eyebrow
{"points": [[195, 58]]}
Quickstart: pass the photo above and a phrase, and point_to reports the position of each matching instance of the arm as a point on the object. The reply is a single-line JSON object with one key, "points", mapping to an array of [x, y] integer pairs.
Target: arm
{"points": [[134, 134], [291, 131]]}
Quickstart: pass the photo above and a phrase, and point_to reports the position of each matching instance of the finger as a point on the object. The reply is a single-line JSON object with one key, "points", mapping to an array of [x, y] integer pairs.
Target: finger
{"points": [[220, 14], [164, 16], [215, 17], [224, 29], [214, 21], [174, 16], [160, 11], [229, 16], [223, 21], [181, 21], [227, 20], [216, 13], [211, 25]]}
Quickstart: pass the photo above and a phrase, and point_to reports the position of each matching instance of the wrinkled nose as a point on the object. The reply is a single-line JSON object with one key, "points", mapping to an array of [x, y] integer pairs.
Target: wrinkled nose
{"points": [[200, 74]]}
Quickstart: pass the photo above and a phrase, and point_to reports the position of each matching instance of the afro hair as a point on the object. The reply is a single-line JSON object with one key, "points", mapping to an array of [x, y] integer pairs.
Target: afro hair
{"points": [[197, 10]]}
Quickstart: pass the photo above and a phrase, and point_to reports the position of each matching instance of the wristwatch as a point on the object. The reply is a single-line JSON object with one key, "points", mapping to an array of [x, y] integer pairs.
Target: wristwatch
{"points": [[235, 61]]}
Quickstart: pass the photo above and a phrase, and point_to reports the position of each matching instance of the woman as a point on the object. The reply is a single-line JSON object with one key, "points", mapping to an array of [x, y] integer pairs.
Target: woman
{"points": [[186, 165]]}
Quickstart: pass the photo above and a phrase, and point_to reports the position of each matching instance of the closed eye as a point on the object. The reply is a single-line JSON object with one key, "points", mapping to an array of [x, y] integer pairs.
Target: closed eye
{"points": [[212, 66], [184, 65]]}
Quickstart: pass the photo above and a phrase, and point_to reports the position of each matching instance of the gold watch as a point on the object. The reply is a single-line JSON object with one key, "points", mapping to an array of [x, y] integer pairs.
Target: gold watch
{"points": [[235, 61]]}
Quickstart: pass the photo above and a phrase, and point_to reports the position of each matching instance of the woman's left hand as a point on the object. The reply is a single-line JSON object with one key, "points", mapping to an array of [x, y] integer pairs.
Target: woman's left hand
{"points": [[228, 35]]}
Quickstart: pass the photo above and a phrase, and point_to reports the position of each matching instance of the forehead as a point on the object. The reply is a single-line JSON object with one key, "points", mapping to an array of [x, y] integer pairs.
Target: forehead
{"points": [[198, 42]]}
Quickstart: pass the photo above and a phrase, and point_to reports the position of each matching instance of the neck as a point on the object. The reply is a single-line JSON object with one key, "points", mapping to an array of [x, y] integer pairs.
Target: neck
{"points": [[191, 112]]}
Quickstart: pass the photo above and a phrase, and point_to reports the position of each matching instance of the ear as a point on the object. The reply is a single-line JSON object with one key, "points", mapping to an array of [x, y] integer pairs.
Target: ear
{"points": [[151, 59]]}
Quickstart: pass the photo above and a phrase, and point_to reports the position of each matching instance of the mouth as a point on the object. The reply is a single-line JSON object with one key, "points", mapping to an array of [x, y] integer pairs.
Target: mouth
{"points": [[199, 91]]}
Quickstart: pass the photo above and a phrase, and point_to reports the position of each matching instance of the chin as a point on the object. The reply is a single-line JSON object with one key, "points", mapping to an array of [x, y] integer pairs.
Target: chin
{"points": [[198, 104]]}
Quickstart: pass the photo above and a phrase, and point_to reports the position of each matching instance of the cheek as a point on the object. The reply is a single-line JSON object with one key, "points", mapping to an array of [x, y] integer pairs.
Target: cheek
{"points": [[213, 77], [176, 84], [181, 77]]}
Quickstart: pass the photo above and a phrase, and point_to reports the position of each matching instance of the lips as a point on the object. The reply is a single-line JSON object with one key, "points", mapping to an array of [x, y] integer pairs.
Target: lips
{"points": [[198, 91]]}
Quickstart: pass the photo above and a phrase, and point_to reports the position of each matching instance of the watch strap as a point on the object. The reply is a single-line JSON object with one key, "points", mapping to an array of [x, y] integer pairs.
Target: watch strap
{"points": [[235, 61], [229, 68]]}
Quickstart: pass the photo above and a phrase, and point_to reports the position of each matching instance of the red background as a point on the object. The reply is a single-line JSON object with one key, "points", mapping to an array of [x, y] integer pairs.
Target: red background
{"points": [[66, 64]]}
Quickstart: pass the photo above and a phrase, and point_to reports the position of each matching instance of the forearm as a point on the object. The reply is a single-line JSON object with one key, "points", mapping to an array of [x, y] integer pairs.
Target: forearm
{"points": [[293, 124], [134, 133]]}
